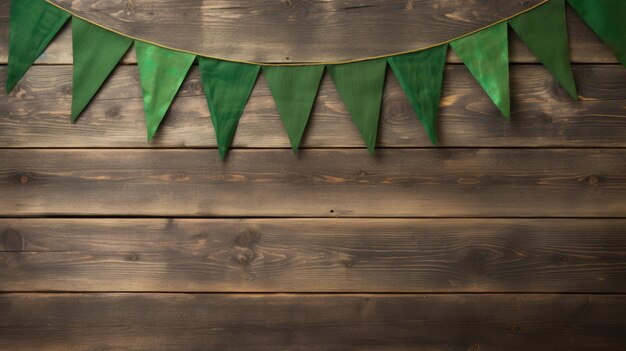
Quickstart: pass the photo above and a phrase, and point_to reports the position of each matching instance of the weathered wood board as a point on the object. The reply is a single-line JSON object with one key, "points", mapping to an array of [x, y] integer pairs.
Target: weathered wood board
{"points": [[313, 255], [36, 114], [311, 322], [316, 183]]}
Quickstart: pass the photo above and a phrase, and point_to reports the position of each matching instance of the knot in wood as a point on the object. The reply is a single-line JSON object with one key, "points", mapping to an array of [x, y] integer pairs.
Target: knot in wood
{"points": [[474, 261], [24, 178], [546, 119], [12, 240], [248, 239]]}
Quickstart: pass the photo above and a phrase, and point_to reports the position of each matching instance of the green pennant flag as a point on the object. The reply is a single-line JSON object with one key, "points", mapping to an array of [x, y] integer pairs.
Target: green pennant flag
{"points": [[421, 74], [33, 24], [544, 30], [360, 86], [93, 63], [227, 86], [161, 72], [294, 89], [607, 18], [486, 55]]}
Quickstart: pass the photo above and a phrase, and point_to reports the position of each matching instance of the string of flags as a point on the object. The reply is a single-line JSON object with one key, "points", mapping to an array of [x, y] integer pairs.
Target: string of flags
{"points": [[228, 85]]}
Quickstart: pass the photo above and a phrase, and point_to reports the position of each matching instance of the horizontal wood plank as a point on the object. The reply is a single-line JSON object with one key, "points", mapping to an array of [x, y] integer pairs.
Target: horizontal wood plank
{"points": [[36, 114], [311, 322], [306, 31], [584, 44], [316, 183], [364, 255]]}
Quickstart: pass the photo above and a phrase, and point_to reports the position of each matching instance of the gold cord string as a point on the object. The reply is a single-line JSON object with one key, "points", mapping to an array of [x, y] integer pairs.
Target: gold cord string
{"points": [[297, 64]]}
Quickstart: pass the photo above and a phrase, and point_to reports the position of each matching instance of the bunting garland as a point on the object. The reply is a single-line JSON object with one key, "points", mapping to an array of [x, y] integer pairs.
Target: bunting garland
{"points": [[360, 84]]}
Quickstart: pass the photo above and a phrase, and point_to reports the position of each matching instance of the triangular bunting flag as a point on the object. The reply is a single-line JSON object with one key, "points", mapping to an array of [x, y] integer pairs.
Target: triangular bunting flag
{"points": [[227, 86], [420, 74], [607, 18], [544, 30], [486, 55], [360, 86], [93, 63], [294, 89], [161, 72], [33, 24]]}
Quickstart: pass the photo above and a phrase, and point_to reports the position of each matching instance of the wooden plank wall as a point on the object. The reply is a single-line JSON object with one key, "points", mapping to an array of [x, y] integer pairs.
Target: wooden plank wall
{"points": [[288, 31], [510, 236]]}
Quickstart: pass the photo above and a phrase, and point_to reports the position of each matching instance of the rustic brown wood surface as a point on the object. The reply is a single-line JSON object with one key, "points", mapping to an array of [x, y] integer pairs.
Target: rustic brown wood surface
{"points": [[584, 45], [543, 267], [312, 322], [313, 255], [317, 183], [36, 114], [296, 31]]}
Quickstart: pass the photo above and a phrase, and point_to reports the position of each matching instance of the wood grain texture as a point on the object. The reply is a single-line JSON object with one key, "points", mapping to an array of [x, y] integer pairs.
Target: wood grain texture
{"points": [[585, 46], [319, 255], [262, 283], [36, 114], [311, 322], [296, 31], [317, 183]]}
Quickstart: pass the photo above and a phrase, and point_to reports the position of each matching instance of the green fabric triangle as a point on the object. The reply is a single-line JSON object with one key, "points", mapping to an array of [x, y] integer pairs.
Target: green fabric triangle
{"points": [[486, 55], [33, 24], [93, 63], [544, 30], [161, 72], [227, 86], [421, 74], [607, 18], [294, 89], [360, 86]]}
